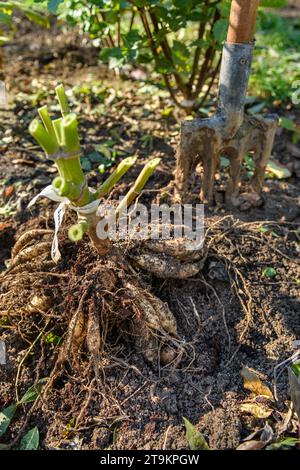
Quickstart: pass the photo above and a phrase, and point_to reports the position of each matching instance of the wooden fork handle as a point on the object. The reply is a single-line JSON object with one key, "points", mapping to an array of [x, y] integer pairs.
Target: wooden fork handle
{"points": [[242, 21]]}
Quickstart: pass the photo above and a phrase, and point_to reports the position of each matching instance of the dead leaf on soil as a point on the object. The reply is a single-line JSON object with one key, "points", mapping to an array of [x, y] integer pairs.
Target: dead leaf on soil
{"points": [[251, 445], [8, 192], [267, 433], [253, 383], [294, 380], [258, 411], [4, 225]]}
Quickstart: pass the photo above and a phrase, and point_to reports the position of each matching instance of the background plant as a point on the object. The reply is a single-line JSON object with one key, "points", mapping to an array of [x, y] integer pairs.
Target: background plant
{"points": [[276, 64], [179, 40], [30, 441], [9, 12], [8, 19]]}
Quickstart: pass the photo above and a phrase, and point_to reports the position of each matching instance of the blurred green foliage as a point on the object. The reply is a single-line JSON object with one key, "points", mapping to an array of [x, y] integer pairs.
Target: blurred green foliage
{"points": [[276, 63], [179, 42], [8, 12]]}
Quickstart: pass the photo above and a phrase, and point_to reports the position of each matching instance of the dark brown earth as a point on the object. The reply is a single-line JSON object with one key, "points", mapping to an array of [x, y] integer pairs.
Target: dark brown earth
{"points": [[228, 317]]}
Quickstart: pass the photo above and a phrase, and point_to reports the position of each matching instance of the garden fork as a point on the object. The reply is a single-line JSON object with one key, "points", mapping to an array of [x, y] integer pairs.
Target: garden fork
{"points": [[230, 131]]}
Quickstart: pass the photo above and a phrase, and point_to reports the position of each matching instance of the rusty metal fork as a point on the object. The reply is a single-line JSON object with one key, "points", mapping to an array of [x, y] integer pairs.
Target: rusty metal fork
{"points": [[230, 131]]}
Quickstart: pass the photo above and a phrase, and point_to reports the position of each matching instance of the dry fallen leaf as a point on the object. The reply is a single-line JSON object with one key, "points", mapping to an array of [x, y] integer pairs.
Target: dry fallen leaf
{"points": [[253, 383], [251, 445], [4, 225], [267, 433], [295, 390], [8, 192], [258, 411]]}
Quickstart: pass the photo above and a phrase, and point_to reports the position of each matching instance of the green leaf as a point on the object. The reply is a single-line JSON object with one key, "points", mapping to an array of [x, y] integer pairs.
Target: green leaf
{"points": [[266, 229], [161, 13], [31, 440], [200, 43], [37, 18], [257, 108], [196, 440], [269, 272], [33, 392], [52, 338], [104, 149], [111, 53], [220, 29], [132, 38], [105, 158], [6, 6], [273, 3], [288, 124], [288, 442], [276, 170], [296, 369], [165, 113], [224, 8], [162, 65], [5, 418], [53, 5], [180, 51], [85, 164], [5, 19]]}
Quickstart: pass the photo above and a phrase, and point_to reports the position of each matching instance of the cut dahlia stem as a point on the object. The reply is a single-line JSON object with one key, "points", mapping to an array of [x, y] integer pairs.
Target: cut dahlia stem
{"points": [[69, 130], [138, 185], [116, 175], [62, 98], [61, 186], [44, 115], [43, 138], [77, 231], [57, 129], [66, 188], [59, 139]]}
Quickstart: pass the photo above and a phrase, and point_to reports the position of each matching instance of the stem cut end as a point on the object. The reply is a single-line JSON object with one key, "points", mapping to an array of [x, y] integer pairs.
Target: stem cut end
{"points": [[61, 186], [62, 98], [43, 138], [77, 231]]}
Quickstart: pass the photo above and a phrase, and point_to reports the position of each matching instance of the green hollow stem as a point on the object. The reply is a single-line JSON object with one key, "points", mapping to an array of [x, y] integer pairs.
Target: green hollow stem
{"points": [[138, 185], [69, 131], [77, 231], [57, 130], [63, 101], [44, 115], [72, 183], [66, 188], [43, 138], [70, 168], [61, 186], [116, 175]]}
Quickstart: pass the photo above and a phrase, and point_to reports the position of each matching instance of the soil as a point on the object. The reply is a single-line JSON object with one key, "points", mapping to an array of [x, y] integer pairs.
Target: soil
{"points": [[229, 316]]}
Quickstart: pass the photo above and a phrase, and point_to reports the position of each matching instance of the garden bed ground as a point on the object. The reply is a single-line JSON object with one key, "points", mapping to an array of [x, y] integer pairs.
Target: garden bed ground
{"points": [[228, 317]]}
